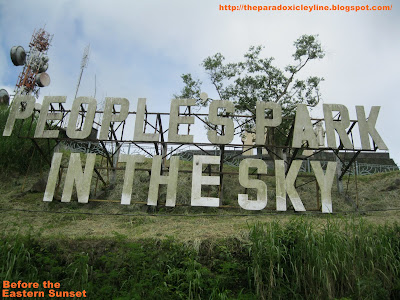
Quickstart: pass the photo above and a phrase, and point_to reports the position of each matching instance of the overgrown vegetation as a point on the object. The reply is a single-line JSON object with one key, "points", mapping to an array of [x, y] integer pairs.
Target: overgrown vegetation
{"points": [[296, 260], [19, 154]]}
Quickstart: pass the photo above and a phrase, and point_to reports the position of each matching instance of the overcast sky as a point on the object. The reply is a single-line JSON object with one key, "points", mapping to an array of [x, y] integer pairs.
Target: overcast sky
{"points": [[140, 48]]}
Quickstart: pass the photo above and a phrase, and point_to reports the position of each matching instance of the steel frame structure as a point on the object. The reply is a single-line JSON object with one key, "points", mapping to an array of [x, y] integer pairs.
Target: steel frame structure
{"points": [[117, 137]]}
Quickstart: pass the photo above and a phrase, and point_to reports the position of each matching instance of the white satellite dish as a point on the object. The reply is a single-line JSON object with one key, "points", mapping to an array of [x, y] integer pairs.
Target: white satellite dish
{"points": [[18, 55], [42, 79], [43, 68], [204, 98], [4, 97]]}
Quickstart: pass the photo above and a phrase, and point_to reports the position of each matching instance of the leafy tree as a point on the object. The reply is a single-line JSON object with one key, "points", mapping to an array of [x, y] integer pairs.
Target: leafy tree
{"points": [[257, 79]]}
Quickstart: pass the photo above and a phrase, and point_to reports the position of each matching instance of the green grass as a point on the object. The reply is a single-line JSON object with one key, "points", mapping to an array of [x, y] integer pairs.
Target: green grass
{"points": [[296, 260], [340, 259]]}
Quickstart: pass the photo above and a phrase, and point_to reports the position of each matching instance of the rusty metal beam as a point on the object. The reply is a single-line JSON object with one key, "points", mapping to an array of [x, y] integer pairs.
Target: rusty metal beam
{"points": [[344, 170]]}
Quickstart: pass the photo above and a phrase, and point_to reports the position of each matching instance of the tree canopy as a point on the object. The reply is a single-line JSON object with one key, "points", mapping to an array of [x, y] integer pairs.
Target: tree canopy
{"points": [[257, 79]]}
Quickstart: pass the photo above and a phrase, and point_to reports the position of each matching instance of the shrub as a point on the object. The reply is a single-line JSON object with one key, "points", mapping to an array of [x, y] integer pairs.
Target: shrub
{"points": [[19, 154]]}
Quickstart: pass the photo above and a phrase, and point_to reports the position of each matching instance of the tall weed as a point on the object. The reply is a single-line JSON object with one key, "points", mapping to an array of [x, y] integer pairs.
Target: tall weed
{"points": [[294, 260], [340, 259]]}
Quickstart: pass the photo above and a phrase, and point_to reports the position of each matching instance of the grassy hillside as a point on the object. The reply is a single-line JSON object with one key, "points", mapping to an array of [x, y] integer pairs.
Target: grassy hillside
{"points": [[139, 252], [22, 207]]}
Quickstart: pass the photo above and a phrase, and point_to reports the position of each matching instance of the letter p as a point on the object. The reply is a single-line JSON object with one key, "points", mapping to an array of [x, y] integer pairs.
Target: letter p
{"points": [[21, 108]]}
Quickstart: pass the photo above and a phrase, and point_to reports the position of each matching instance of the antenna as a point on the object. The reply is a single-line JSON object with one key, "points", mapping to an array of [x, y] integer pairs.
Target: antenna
{"points": [[35, 64], [85, 59], [95, 86]]}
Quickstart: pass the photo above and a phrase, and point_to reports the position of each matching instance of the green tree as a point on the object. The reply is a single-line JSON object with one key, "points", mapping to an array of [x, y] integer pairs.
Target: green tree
{"points": [[257, 79]]}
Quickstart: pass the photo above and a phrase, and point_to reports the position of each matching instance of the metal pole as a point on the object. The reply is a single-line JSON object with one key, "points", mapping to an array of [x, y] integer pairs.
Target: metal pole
{"points": [[355, 177], [221, 175], [318, 200]]}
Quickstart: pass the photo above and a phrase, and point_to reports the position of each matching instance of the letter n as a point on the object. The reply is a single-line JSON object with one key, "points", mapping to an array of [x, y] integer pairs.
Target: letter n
{"points": [[81, 179]]}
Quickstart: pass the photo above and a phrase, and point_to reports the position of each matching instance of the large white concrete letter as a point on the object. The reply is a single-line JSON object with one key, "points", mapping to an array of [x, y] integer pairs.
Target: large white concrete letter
{"points": [[40, 132], [17, 113], [175, 120], [83, 133], [325, 183], [338, 125], [156, 179], [139, 134], [53, 175], [262, 122], [285, 184], [258, 184], [303, 129], [130, 161], [110, 116], [367, 128], [226, 122], [81, 179], [198, 180]]}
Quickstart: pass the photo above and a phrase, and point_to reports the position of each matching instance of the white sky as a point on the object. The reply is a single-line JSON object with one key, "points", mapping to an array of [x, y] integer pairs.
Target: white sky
{"points": [[140, 48]]}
